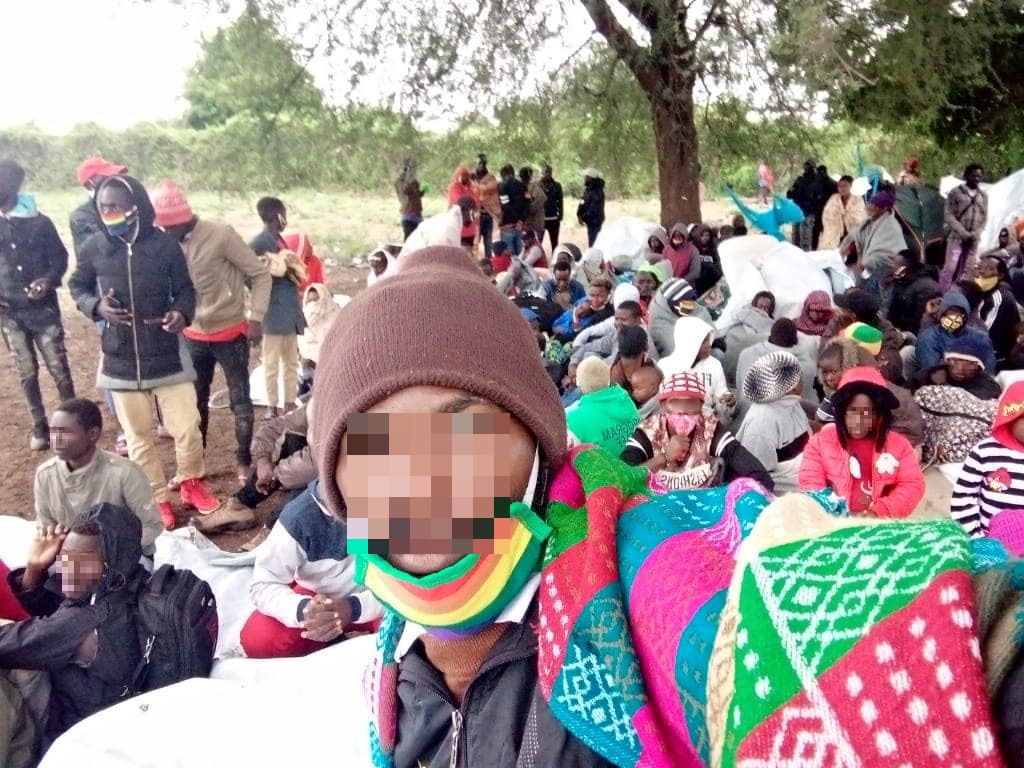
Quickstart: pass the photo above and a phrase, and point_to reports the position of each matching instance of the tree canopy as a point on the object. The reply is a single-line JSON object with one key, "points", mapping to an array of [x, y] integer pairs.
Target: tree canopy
{"points": [[248, 68]]}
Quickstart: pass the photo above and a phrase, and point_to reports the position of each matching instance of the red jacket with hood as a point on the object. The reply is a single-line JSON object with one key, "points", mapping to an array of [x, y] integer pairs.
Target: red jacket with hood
{"points": [[897, 483]]}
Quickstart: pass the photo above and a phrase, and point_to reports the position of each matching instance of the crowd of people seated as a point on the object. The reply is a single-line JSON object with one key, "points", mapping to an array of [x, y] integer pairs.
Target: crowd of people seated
{"points": [[591, 490]]}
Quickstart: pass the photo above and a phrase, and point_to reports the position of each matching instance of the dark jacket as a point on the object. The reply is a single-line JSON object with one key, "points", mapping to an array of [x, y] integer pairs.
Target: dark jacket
{"points": [[284, 311], [909, 297], [51, 639], [982, 386], [149, 277], [553, 202], [493, 717], [1002, 318], [30, 248], [737, 461], [806, 192], [84, 222], [514, 205], [591, 208]]}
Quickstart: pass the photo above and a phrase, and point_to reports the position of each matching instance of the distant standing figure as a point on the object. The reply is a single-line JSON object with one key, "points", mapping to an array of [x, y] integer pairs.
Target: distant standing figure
{"points": [[804, 193], [843, 212], [459, 190], [490, 206], [33, 261], [536, 199], [765, 183], [966, 213], [284, 320], [591, 209], [410, 198], [553, 212]]}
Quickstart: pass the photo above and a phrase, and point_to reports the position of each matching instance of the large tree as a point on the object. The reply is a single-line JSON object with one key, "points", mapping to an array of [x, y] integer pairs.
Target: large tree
{"points": [[482, 53]]}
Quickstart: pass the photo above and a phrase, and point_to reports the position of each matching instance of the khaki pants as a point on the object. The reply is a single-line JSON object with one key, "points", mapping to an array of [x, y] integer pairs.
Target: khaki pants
{"points": [[180, 417], [281, 352]]}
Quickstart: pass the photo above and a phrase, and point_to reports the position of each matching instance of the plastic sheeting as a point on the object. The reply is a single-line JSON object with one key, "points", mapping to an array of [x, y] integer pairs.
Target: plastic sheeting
{"points": [[625, 236], [761, 263], [253, 713]]}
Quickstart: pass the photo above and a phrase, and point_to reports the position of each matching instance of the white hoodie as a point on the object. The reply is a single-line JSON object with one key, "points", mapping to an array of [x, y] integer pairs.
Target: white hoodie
{"points": [[690, 333]]}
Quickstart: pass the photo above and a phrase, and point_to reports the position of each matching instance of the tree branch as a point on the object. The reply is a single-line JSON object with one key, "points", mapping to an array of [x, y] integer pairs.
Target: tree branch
{"points": [[618, 37]]}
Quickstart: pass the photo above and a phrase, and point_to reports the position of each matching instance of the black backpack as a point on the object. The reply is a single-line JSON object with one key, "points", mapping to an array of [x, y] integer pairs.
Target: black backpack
{"points": [[176, 620]]}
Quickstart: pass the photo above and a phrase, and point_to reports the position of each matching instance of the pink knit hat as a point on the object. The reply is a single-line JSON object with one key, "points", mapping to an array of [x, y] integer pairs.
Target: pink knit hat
{"points": [[1007, 527], [685, 385], [170, 204]]}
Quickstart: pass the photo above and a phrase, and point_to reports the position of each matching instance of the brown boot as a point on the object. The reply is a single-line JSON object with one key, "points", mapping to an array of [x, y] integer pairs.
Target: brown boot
{"points": [[233, 516]]}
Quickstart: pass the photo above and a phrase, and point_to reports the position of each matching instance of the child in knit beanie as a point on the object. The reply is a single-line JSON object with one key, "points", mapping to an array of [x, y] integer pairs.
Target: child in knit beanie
{"points": [[991, 480], [775, 429]]}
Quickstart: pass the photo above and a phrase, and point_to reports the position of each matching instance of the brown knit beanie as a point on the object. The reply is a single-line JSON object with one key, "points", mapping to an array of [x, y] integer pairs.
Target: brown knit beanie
{"points": [[438, 321]]}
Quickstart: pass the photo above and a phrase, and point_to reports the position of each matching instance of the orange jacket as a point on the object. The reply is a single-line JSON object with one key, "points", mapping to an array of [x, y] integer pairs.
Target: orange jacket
{"points": [[897, 483]]}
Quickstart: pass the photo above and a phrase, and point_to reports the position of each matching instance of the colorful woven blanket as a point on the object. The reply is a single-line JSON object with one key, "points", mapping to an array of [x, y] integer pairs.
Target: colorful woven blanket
{"points": [[849, 643], [630, 597]]}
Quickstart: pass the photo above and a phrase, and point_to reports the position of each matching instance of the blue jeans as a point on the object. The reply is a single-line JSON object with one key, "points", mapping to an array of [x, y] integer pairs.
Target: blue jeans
{"points": [[486, 231], [511, 236]]}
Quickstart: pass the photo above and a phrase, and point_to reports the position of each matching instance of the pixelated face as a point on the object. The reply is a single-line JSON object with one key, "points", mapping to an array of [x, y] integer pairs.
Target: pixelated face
{"points": [[932, 306], [705, 237], [562, 279], [69, 438], [114, 198], [764, 304], [428, 475], [844, 189], [80, 565], [1004, 238], [645, 284], [962, 370], [860, 417], [817, 316]]}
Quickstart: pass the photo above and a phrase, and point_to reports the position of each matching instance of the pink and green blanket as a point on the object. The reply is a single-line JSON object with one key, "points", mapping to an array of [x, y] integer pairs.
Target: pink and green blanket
{"points": [[850, 643]]}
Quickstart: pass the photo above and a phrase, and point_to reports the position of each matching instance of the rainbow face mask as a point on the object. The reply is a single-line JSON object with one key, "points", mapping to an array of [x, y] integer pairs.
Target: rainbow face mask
{"points": [[119, 223]]}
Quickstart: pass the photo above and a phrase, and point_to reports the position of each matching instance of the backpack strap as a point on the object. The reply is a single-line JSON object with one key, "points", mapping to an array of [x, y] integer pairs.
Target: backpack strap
{"points": [[530, 746], [158, 581]]}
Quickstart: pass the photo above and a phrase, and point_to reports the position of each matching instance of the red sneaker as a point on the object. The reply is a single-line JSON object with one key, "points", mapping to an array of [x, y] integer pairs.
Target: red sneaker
{"points": [[167, 515], [195, 494]]}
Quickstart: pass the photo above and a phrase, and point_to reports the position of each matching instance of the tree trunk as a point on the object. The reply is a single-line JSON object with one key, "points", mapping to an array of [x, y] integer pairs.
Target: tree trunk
{"points": [[675, 142]]}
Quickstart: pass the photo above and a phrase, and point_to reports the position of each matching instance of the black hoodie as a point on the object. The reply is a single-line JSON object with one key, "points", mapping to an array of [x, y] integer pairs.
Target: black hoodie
{"points": [[149, 277], [51, 640], [591, 209]]}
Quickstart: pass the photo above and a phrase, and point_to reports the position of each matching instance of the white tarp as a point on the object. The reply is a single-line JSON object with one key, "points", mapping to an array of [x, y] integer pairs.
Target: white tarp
{"points": [[251, 713], [625, 236], [761, 263]]}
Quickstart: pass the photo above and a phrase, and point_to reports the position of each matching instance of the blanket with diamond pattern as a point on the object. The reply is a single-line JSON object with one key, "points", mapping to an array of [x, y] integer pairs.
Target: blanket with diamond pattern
{"points": [[849, 643]]}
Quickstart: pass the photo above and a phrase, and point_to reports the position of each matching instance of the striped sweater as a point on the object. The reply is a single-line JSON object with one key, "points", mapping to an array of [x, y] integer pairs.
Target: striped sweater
{"points": [[990, 481]]}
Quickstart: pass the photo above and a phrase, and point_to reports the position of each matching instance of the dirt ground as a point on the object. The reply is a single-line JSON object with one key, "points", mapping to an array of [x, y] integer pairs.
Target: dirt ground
{"points": [[19, 463]]}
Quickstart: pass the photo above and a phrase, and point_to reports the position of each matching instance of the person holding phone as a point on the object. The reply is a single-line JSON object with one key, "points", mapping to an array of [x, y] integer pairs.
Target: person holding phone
{"points": [[33, 261]]}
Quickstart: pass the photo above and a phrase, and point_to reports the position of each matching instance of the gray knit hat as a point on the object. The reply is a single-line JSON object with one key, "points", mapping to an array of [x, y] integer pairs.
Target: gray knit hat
{"points": [[771, 377], [437, 321], [677, 290]]}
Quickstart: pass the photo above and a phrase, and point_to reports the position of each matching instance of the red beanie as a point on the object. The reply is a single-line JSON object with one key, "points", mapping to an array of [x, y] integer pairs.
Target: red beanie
{"points": [[170, 204], [439, 322]]}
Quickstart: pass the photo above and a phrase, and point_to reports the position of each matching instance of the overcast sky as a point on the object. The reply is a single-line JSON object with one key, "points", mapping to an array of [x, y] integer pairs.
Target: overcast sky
{"points": [[61, 77]]}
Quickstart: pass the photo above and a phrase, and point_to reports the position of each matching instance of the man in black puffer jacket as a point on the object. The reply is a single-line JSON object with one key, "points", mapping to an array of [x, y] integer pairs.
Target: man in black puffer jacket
{"points": [[82, 630], [32, 264], [136, 278]]}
